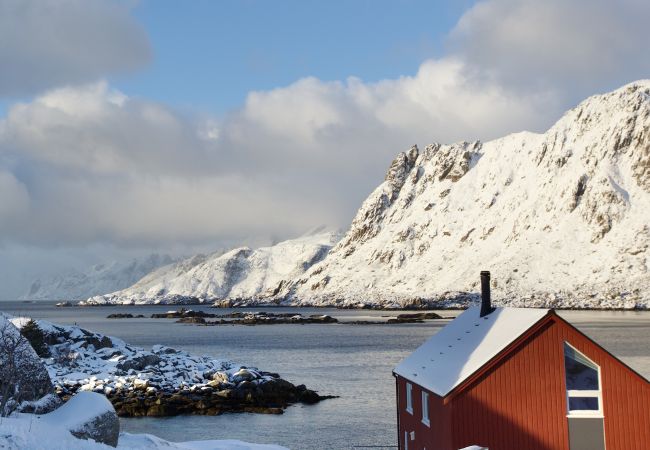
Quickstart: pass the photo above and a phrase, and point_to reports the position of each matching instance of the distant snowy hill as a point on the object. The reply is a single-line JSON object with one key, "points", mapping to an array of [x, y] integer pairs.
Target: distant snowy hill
{"points": [[242, 273], [560, 218], [98, 279]]}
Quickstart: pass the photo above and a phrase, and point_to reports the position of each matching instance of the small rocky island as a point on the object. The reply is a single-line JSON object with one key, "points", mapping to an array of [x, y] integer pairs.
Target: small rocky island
{"points": [[160, 382], [190, 316]]}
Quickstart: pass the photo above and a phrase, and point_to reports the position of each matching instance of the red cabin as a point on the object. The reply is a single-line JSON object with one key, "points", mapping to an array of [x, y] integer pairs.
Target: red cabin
{"points": [[518, 379]]}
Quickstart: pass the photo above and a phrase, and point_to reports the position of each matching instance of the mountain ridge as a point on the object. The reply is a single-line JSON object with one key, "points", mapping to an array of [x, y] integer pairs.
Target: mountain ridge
{"points": [[228, 277], [560, 218], [98, 278], [542, 211]]}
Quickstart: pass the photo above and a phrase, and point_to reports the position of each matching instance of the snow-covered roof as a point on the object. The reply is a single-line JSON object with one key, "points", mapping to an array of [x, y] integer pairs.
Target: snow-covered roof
{"points": [[464, 346]]}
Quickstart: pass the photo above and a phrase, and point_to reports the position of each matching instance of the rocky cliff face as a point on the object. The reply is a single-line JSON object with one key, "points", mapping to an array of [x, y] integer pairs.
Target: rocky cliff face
{"points": [[560, 218], [98, 279], [242, 274]]}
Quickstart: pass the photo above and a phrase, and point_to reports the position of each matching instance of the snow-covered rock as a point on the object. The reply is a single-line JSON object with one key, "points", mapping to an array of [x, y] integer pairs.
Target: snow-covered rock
{"points": [[83, 360], [22, 372], [87, 415], [98, 279], [561, 219], [162, 381], [242, 273]]}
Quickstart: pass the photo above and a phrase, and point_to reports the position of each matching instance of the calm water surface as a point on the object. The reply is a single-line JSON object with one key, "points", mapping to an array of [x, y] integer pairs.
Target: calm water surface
{"points": [[352, 361]]}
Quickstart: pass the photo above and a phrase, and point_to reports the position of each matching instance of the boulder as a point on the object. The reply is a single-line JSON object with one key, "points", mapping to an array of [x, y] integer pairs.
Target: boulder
{"points": [[140, 384], [139, 362], [221, 377], [87, 415], [244, 375], [23, 376]]}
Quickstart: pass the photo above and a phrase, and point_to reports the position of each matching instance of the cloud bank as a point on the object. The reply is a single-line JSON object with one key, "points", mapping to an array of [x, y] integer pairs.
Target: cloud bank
{"points": [[48, 43], [82, 163], [93, 164]]}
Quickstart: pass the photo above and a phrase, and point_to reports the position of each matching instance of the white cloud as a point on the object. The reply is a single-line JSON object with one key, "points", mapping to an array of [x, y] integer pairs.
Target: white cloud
{"points": [[102, 166], [95, 130], [48, 43], [85, 164], [14, 200], [575, 47]]}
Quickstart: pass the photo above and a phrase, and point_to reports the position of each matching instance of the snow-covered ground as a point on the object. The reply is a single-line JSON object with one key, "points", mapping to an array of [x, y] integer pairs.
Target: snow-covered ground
{"points": [[28, 431], [561, 219], [239, 273]]}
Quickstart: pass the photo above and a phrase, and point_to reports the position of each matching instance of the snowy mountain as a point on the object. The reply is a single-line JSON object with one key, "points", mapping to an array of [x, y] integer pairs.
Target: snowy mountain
{"points": [[98, 279], [561, 219], [242, 273]]}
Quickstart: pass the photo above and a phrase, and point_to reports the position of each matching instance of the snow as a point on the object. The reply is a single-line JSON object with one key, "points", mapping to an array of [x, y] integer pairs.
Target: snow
{"points": [[238, 273], [75, 363], [559, 218], [97, 279], [75, 412], [23, 431], [465, 345], [563, 224]]}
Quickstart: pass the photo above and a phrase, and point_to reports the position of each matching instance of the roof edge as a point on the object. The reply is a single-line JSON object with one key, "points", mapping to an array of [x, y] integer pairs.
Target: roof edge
{"points": [[500, 356], [620, 361]]}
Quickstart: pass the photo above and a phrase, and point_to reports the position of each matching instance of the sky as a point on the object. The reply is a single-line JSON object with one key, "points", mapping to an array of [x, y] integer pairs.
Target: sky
{"points": [[128, 127]]}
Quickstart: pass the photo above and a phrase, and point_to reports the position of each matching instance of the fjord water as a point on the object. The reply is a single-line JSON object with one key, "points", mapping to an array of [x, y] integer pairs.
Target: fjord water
{"points": [[352, 361]]}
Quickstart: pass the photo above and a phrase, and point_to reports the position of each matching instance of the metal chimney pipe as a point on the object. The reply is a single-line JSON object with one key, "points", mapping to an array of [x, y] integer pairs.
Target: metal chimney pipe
{"points": [[486, 302]]}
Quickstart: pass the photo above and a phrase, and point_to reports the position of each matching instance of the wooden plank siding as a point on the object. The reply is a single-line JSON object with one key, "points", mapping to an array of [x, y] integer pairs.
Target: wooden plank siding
{"points": [[433, 437], [518, 400]]}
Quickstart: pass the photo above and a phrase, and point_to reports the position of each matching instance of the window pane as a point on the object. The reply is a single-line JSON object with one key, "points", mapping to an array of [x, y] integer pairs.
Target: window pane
{"points": [[579, 375], [425, 406], [583, 404], [409, 397]]}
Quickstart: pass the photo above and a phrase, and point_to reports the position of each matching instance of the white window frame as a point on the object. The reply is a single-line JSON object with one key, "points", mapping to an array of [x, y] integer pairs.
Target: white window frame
{"points": [[409, 398], [425, 408], [598, 394]]}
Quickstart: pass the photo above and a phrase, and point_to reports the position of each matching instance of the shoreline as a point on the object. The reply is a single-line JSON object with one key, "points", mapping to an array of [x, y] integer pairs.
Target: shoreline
{"points": [[159, 382]]}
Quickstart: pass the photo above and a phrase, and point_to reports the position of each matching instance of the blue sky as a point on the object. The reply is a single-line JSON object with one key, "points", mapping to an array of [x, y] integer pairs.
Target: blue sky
{"points": [[169, 126], [210, 54]]}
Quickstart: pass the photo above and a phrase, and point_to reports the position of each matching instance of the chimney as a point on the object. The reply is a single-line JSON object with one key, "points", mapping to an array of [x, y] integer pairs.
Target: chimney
{"points": [[486, 304]]}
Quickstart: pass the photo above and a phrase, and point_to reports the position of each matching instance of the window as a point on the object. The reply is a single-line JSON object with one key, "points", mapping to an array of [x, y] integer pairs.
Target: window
{"points": [[425, 408], [409, 398], [406, 440], [584, 395]]}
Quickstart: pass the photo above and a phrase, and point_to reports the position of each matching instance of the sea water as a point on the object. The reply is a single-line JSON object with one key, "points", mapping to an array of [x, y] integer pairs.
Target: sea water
{"points": [[354, 362]]}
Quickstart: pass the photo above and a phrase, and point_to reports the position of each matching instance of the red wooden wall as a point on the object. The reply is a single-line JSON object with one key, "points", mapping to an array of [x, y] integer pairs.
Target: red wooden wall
{"points": [[519, 403], [433, 437]]}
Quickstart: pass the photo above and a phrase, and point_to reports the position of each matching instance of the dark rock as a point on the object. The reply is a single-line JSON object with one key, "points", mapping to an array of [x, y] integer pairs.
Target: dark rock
{"points": [[20, 368], [199, 320], [124, 316], [139, 362]]}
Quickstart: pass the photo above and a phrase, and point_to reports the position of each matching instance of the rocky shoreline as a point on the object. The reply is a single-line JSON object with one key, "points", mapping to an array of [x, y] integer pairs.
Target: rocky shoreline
{"points": [[272, 396], [189, 316], [160, 382]]}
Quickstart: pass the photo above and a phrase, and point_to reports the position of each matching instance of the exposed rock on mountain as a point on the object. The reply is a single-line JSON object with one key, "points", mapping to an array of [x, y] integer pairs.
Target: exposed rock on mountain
{"points": [[242, 273], [562, 219], [98, 279]]}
